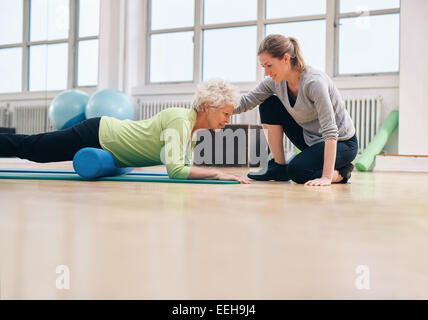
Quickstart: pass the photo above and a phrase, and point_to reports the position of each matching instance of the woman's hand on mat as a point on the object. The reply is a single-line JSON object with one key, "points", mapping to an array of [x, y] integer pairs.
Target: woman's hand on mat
{"points": [[323, 181], [227, 176]]}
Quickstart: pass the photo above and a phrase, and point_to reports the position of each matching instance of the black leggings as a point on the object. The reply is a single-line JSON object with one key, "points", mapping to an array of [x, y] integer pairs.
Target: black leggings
{"points": [[52, 146], [308, 164]]}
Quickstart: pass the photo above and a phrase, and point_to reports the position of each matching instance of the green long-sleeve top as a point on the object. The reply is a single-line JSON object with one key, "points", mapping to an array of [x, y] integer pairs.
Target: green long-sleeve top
{"points": [[163, 139]]}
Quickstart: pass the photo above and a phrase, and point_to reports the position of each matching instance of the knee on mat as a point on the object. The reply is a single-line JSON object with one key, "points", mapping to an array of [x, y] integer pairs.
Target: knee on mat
{"points": [[297, 173]]}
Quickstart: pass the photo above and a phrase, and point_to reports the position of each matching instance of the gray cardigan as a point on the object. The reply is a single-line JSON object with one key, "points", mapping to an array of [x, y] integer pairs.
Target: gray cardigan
{"points": [[319, 108]]}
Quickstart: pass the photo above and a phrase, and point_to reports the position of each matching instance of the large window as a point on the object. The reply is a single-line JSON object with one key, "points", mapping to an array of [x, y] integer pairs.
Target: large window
{"points": [[369, 33], [50, 44], [303, 20], [87, 42], [171, 41], [11, 24], [228, 42], [193, 40], [229, 53]]}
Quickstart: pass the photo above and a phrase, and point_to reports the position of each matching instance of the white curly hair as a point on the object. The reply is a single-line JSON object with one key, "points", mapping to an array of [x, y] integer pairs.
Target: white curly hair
{"points": [[217, 92]]}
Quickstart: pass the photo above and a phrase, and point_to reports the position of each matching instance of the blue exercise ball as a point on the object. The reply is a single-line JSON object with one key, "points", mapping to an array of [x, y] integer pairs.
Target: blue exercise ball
{"points": [[68, 109], [110, 102]]}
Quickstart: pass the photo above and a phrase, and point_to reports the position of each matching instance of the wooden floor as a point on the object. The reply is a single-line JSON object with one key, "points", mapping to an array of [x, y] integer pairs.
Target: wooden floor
{"points": [[267, 240]]}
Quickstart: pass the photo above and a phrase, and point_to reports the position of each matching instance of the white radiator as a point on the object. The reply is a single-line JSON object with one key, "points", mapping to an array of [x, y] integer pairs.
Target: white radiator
{"points": [[31, 119], [364, 111], [147, 109], [4, 117]]}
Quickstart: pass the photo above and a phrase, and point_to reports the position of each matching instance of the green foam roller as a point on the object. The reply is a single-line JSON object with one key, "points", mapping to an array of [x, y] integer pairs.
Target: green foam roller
{"points": [[366, 159]]}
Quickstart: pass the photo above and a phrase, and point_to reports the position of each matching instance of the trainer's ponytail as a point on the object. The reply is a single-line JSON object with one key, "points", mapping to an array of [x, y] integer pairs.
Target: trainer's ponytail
{"points": [[297, 61], [277, 45]]}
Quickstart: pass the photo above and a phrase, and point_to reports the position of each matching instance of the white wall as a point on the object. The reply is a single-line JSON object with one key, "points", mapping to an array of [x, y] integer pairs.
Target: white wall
{"points": [[413, 78], [135, 55], [111, 58], [122, 44]]}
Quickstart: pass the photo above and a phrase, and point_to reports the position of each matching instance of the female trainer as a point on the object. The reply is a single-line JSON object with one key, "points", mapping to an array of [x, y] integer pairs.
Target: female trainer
{"points": [[303, 103]]}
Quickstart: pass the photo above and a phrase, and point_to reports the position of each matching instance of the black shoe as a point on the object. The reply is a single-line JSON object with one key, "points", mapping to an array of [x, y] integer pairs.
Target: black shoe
{"points": [[274, 171], [345, 172]]}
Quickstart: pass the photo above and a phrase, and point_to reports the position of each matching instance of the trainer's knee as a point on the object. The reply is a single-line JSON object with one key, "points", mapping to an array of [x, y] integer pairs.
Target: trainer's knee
{"points": [[268, 109], [298, 173]]}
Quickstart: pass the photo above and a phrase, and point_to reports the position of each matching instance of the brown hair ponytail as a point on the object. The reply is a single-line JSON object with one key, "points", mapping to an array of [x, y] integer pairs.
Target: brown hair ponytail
{"points": [[277, 45]]}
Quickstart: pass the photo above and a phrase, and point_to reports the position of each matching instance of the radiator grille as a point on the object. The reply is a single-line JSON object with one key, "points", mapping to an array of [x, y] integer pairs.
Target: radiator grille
{"points": [[4, 117], [31, 119], [365, 113], [147, 109]]}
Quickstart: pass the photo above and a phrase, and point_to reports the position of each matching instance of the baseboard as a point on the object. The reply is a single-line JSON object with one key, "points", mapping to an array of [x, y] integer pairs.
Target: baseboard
{"points": [[403, 163]]}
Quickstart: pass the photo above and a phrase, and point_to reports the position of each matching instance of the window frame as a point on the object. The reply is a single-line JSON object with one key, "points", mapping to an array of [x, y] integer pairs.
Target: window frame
{"points": [[370, 13], [76, 39], [332, 19], [72, 40]]}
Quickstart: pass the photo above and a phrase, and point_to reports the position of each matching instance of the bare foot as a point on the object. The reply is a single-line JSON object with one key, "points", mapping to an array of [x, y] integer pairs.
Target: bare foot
{"points": [[336, 177]]}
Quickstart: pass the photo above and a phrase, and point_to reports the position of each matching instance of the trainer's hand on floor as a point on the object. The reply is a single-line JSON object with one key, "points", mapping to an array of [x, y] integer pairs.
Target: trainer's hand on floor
{"points": [[319, 182], [227, 176]]}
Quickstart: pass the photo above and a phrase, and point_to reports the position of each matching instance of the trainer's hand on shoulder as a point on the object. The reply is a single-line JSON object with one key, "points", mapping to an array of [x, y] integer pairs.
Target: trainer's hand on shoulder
{"points": [[323, 181], [227, 176]]}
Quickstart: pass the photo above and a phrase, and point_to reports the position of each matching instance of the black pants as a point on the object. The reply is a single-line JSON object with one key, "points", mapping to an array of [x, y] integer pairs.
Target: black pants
{"points": [[308, 164], [52, 146]]}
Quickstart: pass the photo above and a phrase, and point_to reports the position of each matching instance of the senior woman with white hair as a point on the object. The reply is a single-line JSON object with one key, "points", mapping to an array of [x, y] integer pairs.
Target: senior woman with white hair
{"points": [[165, 138]]}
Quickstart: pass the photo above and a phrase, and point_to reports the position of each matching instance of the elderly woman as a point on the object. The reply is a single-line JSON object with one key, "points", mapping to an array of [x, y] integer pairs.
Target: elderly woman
{"points": [[166, 138]]}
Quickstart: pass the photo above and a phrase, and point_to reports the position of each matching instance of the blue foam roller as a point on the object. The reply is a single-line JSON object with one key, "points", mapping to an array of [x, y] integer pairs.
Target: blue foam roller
{"points": [[94, 163]]}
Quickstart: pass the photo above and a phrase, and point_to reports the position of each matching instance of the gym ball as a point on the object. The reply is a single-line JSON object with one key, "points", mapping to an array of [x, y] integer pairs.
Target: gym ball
{"points": [[68, 109], [110, 102]]}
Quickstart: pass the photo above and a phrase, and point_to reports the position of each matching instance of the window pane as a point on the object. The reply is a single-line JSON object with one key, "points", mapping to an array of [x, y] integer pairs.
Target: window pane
{"points": [[88, 63], [89, 17], [292, 8], [311, 36], [168, 14], [230, 53], [10, 20], [48, 67], [366, 5], [171, 57], [220, 11], [10, 70], [49, 19], [369, 44]]}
